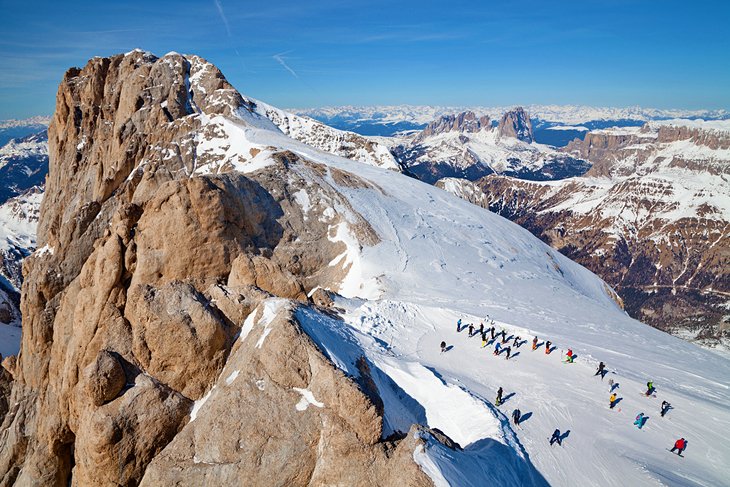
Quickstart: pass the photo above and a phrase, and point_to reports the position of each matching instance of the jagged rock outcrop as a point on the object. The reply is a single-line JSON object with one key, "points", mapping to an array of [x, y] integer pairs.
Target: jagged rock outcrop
{"points": [[159, 239], [306, 423], [516, 123], [465, 122], [650, 217]]}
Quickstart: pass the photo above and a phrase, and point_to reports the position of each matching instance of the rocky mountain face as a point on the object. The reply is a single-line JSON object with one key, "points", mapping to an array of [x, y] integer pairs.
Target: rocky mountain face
{"points": [[515, 123], [464, 122], [652, 217], [164, 234], [468, 147]]}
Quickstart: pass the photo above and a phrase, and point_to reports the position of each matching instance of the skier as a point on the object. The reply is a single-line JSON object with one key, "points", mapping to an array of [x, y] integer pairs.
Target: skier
{"points": [[484, 340], [509, 351], [516, 414], [649, 388], [556, 438], [458, 326], [680, 445], [665, 408], [613, 385], [547, 347], [612, 400], [471, 329], [497, 346], [499, 397], [639, 421], [569, 356], [516, 342], [504, 337], [443, 347], [491, 331], [601, 366], [534, 343], [481, 328]]}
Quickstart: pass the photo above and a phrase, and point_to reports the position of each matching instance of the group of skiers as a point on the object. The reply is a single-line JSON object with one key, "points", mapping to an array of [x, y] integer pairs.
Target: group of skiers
{"points": [[641, 418]]}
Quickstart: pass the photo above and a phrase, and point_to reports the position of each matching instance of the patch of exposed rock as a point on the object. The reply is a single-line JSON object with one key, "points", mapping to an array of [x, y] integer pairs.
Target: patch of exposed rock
{"points": [[516, 123]]}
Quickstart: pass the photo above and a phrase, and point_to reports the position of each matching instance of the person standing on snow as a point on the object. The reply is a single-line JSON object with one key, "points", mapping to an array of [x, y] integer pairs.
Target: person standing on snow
{"points": [[509, 351], [481, 328], [516, 414], [458, 326], [534, 343], [491, 331], [665, 408], [680, 445], [556, 438], [649, 388], [569, 356], [499, 397], [471, 329], [516, 342], [612, 400], [484, 339], [497, 346], [504, 337], [443, 347], [601, 367], [639, 421], [547, 347]]}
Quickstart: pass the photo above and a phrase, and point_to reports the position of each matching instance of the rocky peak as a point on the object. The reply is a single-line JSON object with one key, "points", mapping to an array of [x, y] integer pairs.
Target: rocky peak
{"points": [[466, 122], [516, 123], [158, 241]]}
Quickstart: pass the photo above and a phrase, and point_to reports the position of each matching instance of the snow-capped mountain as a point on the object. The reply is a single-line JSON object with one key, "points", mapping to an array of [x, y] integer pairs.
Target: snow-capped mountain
{"points": [[242, 306], [652, 217], [23, 168], [23, 164], [338, 142], [14, 129], [18, 221], [470, 147]]}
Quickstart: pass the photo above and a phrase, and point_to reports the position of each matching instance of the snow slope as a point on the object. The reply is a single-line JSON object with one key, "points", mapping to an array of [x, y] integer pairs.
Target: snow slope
{"points": [[441, 259]]}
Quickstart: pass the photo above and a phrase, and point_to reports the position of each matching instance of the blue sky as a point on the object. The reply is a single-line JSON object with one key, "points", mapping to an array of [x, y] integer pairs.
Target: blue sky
{"points": [[309, 53]]}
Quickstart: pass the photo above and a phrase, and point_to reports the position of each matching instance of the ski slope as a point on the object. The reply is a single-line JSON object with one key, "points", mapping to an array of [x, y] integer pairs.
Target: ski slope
{"points": [[442, 259]]}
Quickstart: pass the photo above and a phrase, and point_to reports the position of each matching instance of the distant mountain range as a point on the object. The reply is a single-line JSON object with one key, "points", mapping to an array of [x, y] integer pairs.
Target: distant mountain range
{"points": [[11, 129], [571, 119]]}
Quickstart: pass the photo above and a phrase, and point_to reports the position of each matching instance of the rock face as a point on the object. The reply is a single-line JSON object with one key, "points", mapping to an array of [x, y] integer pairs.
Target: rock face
{"points": [[159, 240], [468, 147], [516, 123], [651, 218], [466, 122]]}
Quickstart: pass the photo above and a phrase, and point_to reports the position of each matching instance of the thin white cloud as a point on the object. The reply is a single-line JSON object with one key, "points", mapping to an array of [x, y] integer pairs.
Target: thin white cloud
{"points": [[223, 16], [279, 58]]}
